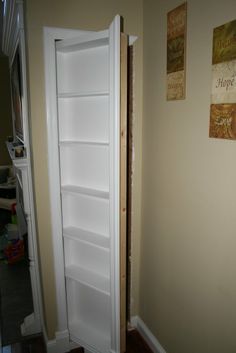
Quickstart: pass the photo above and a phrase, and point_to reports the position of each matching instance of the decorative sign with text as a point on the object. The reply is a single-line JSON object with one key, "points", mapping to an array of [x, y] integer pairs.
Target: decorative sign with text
{"points": [[223, 96], [176, 44]]}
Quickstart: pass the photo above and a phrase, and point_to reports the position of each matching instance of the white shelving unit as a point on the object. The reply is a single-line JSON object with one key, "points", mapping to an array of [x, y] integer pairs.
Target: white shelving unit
{"points": [[84, 158], [84, 147]]}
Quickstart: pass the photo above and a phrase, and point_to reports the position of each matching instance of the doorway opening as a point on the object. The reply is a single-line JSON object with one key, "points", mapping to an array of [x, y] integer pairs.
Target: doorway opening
{"points": [[15, 285]]}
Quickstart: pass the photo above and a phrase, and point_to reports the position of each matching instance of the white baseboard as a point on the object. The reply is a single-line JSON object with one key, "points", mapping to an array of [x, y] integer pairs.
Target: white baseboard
{"points": [[61, 344], [51, 346], [144, 331], [58, 345]]}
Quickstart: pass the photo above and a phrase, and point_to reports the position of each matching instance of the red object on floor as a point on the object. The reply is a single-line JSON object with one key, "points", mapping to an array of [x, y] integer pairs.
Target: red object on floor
{"points": [[14, 251]]}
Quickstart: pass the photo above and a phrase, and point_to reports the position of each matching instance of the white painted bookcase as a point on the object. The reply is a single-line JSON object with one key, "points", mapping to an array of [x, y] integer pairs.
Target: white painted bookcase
{"points": [[83, 114]]}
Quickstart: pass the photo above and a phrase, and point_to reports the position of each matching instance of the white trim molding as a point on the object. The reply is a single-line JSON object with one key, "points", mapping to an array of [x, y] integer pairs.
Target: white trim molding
{"points": [[147, 335], [114, 180], [61, 344]]}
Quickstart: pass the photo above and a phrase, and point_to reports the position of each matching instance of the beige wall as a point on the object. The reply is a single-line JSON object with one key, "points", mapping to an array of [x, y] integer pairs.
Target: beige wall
{"points": [[87, 15], [188, 249], [5, 110]]}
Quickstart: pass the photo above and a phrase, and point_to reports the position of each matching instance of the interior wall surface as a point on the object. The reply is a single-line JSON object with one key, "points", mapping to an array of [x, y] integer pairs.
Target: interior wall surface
{"points": [[5, 110], [188, 247], [85, 15]]}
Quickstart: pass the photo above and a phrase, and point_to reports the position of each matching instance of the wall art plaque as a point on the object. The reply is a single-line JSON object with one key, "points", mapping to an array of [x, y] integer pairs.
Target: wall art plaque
{"points": [[176, 52], [223, 93]]}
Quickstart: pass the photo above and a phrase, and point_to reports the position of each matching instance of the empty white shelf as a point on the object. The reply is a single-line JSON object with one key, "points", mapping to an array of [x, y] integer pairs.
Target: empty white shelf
{"points": [[93, 143], [76, 44], [84, 165], [87, 236], [87, 333], [86, 212], [84, 71], [88, 278], [82, 94], [84, 118], [85, 191]]}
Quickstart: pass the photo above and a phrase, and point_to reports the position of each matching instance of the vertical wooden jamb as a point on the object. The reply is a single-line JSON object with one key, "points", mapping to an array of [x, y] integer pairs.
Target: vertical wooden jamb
{"points": [[123, 188], [129, 174]]}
